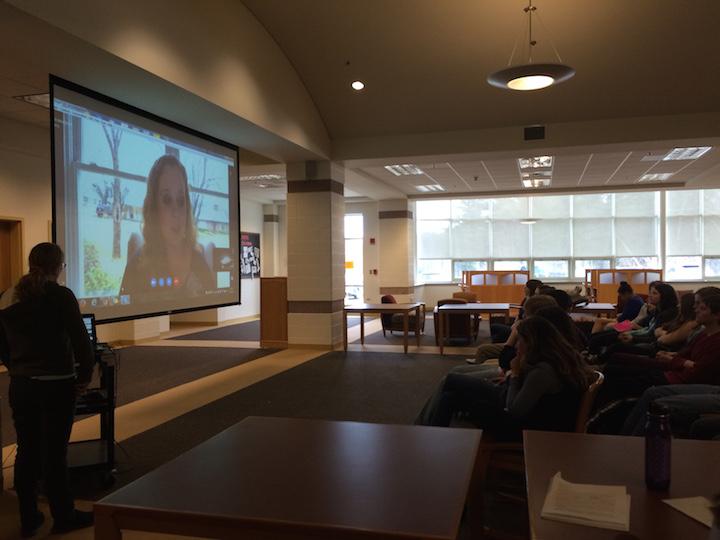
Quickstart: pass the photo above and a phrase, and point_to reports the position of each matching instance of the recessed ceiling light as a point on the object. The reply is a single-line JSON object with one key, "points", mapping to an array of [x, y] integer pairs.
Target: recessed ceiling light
{"points": [[655, 177], [430, 187], [537, 162], [407, 169], [357, 85], [534, 183], [528, 221], [41, 100], [692, 152], [536, 174]]}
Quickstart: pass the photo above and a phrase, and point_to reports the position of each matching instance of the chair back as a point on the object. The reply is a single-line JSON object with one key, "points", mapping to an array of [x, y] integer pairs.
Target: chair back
{"points": [[586, 404], [458, 325], [464, 295], [386, 318]]}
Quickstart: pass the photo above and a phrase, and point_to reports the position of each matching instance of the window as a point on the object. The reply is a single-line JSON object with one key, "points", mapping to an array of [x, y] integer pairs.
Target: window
{"points": [[510, 265], [692, 230], [550, 269], [459, 266], [589, 264], [354, 259]]}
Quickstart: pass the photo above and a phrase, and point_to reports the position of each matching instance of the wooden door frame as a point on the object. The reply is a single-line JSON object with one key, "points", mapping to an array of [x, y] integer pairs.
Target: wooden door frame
{"points": [[17, 232]]}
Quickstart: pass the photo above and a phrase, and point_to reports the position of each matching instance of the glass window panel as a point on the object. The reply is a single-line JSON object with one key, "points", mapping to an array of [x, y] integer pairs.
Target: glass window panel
{"points": [[433, 209], [510, 208], [511, 239], [590, 206], [680, 268], [711, 225], [472, 208], [683, 236], [711, 202], [510, 265], [555, 207], [433, 239], [353, 295], [459, 266], [683, 203], [550, 269], [354, 261], [635, 237], [637, 262], [551, 238], [712, 267], [589, 264], [470, 239], [636, 204], [592, 237], [433, 271], [353, 226]]}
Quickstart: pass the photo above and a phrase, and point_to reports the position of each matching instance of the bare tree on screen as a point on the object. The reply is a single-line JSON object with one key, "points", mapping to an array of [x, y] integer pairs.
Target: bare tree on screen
{"points": [[113, 135]]}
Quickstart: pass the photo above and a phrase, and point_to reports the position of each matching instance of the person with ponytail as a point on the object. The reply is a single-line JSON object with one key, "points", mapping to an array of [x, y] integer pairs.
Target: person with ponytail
{"points": [[42, 338]]}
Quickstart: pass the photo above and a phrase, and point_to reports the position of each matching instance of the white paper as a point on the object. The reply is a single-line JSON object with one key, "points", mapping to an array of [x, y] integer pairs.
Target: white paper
{"points": [[697, 508], [607, 507]]}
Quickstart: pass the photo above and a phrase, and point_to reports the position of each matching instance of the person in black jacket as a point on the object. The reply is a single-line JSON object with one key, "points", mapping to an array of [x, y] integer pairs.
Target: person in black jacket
{"points": [[42, 338]]}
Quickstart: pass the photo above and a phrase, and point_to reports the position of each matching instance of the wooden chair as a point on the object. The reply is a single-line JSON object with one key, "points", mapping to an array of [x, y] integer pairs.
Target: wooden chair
{"points": [[509, 456], [393, 322]]}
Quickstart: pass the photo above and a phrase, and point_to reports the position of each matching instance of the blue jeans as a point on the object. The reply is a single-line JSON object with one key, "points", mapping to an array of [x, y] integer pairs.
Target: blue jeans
{"points": [[482, 399], [686, 402]]}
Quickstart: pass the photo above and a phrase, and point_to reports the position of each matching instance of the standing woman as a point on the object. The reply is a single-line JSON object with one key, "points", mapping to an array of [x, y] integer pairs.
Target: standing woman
{"points": [[42, 336]]}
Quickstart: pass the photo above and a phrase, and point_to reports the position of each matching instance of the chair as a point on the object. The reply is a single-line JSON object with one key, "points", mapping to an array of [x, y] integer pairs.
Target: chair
{"points": [[393, 322], [508, 456], [467, 296], [459, 326]]}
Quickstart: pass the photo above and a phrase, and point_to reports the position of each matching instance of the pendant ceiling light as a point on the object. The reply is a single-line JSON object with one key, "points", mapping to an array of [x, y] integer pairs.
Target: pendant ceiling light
{"points": [[530, 76]]}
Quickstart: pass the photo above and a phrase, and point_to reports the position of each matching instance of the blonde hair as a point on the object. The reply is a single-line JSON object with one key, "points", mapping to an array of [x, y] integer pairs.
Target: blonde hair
{"points": [[150, 228]]}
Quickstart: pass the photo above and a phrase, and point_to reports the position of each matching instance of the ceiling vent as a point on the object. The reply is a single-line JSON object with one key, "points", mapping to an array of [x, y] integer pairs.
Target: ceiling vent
{"points": [[534, 133]]}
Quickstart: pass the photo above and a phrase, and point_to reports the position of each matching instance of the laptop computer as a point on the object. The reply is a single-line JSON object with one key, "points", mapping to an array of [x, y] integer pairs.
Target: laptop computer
{"points": [[89, 321]]}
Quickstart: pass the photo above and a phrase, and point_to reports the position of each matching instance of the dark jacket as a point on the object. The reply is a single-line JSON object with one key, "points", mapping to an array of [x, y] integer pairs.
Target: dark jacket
{"points": [[45, 336]]}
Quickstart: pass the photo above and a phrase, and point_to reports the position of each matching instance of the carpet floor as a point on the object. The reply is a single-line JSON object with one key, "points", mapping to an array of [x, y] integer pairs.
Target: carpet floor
{"points": [[364, 387], [249, 331], [144, 371]]}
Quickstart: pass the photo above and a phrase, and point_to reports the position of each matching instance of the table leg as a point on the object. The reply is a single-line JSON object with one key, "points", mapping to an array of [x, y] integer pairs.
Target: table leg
{"points": [[417, 326], [362, 328], [344, 330], [441, 327], [406, 328], [105, 528], [507, 317]]}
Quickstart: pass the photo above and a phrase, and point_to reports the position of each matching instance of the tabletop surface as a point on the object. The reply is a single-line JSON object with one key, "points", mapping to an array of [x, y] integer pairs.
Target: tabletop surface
{"points": [[608, 459], [597, 306], [475, 306], [381, 307], [399, 480]]}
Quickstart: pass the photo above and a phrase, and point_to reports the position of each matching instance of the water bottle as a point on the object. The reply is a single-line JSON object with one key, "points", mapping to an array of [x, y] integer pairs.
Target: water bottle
{"points": [[657, 448]]}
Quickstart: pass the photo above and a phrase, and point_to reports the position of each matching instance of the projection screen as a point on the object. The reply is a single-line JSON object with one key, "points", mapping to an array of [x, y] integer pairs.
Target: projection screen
{"points": [[146, 210]]}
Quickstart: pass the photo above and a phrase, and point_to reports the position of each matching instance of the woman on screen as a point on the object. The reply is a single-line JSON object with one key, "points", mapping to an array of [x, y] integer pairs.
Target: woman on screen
{"points": [[170, 260]]}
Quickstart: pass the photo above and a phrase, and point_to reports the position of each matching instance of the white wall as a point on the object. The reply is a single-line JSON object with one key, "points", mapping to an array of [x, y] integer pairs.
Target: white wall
{"points": [[25, 192]]}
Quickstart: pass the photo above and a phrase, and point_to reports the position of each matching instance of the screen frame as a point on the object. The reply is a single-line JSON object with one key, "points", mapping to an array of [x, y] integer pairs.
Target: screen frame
{"points": [[54, 80]]}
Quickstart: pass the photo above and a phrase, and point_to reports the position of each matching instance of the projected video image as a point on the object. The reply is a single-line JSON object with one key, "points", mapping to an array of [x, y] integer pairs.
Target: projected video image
{"points": [[149, 220]]}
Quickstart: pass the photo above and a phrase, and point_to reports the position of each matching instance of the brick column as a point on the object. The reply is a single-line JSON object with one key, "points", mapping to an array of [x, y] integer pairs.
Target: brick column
{"points": [[396, 249], [315, 253]]}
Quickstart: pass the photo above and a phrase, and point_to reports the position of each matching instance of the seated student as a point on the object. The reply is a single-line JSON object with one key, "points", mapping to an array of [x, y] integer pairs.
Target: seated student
{"points": [[686, 402], [631, 304], [499, 333], [543, 390], [662, 308], [697, 363], [488, 351]]}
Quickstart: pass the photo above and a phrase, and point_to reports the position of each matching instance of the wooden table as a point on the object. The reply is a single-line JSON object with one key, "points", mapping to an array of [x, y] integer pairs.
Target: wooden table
{"points": [[405, 309], [597, 309], [289, 478], [471, 308], [607, 459]]}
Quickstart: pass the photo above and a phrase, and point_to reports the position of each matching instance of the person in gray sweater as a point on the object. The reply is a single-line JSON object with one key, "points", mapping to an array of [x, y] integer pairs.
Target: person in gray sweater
{"points": [[542, 391]]}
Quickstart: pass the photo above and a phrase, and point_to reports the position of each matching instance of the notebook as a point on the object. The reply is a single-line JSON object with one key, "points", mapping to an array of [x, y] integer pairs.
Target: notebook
{"points": [[606, 507]]}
